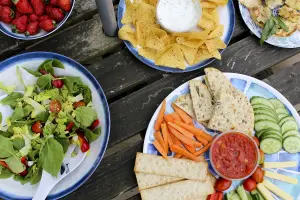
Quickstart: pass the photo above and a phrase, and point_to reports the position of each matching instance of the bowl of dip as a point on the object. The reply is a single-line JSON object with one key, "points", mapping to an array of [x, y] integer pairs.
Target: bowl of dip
{"points": [[234, 155], [178, 15]]}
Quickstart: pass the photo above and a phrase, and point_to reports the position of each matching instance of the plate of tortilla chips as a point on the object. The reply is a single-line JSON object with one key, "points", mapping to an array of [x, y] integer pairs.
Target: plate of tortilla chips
{"points": [[175, 52]]}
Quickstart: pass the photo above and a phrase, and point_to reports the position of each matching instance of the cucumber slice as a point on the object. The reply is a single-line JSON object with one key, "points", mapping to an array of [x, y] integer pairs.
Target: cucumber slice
{"points": [[271, 136], [281, 116], [285, 119], [259, 117], [270, 145], [282, 111], [261, 100], [265, 112], [277, 103], [291, 133], [261, 106], [288, 126], [292, 144], [272, 132], [259, 133], [265, 124]]}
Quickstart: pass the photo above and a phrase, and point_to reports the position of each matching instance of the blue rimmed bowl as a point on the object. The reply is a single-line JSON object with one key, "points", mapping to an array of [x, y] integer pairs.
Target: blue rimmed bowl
{"points": [[10, 189]]}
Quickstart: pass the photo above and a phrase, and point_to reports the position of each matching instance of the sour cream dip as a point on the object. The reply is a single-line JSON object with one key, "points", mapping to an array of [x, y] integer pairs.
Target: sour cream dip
{"points": [[178, 15]]}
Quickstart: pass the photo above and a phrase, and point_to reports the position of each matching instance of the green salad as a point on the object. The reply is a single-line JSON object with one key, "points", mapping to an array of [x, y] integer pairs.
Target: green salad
{"points": [[47, 117]]}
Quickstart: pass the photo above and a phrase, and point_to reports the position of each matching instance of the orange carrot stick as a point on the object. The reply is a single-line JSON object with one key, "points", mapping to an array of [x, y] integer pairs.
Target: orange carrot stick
{"points": [[166, 134], [177, 155], [174, 139], [181, 130], [203, 141], [160, 116], [195, 131], [185, 117], [190, 148], [203, 150], [168, 118], [176, 116], [184, 152], [185, 139], [160, 149], [159, 138]]}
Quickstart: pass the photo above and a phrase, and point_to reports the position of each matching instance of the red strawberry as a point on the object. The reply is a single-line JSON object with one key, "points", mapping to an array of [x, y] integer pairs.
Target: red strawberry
{"points": [[33, 17], [57, 14], [53, 2], [65, 5], [44, 17], [1, 8], [23, 6], [20, 24], [6, 3], [7, 14], [47, 25], [18, 14], [38, 6], [48, 9], [32, 28]]}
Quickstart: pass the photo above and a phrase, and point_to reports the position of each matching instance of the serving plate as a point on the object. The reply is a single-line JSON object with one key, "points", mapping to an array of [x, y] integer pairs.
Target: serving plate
{"points": [[227, 14], [250, 87], [10, 189]]}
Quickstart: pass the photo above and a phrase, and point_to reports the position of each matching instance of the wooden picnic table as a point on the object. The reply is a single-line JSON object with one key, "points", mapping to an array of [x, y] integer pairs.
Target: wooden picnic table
{"points": [[134, 90]]}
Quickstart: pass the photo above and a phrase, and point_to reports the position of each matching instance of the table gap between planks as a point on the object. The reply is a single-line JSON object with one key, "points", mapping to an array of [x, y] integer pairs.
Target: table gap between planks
{"points": [[134, 90]]}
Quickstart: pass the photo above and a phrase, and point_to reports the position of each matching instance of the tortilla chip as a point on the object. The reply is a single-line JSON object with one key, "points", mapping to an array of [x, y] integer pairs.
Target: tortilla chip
{"points": [[206, 4], [127, 28], [124, 35], [217, 32], [172, 58], [146, 13], [152, 2], [153, 42], [202, 54], [206, 23], [142, 31], [185, 103], [189, 53], [201, 35], [192, 43], [214, 44], [219, 2], [148, 53], [216, 54]]}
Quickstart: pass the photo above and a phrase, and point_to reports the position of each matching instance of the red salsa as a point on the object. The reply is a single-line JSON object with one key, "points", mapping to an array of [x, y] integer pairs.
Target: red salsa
{"points": [[234, 155]]}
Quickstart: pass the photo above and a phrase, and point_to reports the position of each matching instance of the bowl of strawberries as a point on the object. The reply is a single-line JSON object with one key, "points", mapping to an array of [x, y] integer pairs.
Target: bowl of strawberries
{"points": [[33, 19]]}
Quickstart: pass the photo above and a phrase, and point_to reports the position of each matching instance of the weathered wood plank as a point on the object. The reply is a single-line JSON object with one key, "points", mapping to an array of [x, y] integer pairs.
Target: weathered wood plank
{"points": [[240, 30], [136, 197]]}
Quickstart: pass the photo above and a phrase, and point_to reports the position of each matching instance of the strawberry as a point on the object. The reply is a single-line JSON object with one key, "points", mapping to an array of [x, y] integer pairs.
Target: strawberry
{"points": [[33, 17], [32, 28], [57, 14], [44, 17], [1, 8], [18, 14], [6, 3], [23, 6], [48, 9], [7, 14], [20, 24], [47, 25], [65, 5], [38, 6], [53, 2]]}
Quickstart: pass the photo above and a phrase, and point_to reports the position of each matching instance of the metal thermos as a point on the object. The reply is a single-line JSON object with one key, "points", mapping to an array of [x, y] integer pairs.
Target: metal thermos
{"points": [[107, 16]]}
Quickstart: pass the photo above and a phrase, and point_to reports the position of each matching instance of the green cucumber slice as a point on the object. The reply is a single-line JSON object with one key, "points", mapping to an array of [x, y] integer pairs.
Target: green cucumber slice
{"points": [[292, 144], [270, 145], [281, 116], [265, 124], [291, 133], [282, 111], [265, 112], [259, 133], [277, 103], [259, 117], [256, 106], [285, 119], [271, 136], [271, 132], [260, 100], [288, 126]]}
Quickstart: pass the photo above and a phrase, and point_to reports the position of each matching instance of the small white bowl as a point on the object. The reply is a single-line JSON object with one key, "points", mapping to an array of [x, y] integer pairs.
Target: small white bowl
{"points": [[178, 15]]}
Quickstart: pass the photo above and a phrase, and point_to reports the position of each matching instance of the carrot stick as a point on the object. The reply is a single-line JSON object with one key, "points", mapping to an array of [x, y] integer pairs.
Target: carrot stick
{"points": [[203, 141], [174, 139], [184, 152], [185, 117], [190, 148], [166, 134], [159, 138], [181, 130], [195, 131], [168, 118], [160, 149], [176, 117], [203, 150], [177, 155], [185, 139], [160, 116]]}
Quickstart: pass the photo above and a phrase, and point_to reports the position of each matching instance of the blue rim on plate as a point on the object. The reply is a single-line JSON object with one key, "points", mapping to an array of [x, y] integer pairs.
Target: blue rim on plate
{"points": [[150, 63], [72, 63], [38, 36]]}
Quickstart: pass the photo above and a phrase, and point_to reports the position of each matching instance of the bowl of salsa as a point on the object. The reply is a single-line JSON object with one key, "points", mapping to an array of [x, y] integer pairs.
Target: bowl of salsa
{"points": [[234, 155]]}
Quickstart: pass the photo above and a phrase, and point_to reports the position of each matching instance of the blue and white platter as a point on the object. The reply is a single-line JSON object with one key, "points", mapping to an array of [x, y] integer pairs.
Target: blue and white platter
{"points": [[250, 87], [227, 16], [11, 189]]}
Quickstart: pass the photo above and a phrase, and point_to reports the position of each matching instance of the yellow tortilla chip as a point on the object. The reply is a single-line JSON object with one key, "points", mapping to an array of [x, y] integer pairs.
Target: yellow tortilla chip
{"points": [[202, 55], [172, 58], [216, 54], [215, 16], [206, 4], [146, 13], [130, 13], [217, 32], [189, 42], [189, 53], [151, 2], [148, 53], [127, 28], [219, 2], [123, 35], [142, 30], [172, 39], [214, 44], [162, 35], [153, 42], [206, 23], [206, 13], [201, 35]]}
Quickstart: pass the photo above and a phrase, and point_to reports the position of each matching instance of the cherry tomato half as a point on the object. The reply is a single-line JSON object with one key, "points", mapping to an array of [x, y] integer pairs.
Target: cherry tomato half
{"points": [[24, 173], [256, 140], [84, 145], [78, 104], [222, 184], [24, 161], [58, 83], [37, 127], [55, 106], [42, 71], [70, 126], [215, 196], [2, 163], [249, 185], [95, 124], [258, 175]]}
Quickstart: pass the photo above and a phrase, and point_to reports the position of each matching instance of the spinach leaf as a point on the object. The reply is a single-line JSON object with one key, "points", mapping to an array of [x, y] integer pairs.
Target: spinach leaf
{"points": [[18, 143], [32, 72], [85, 115], [6, 134], [73, 84], [6, 147], [86, 93], [70, 118], [56, 63], [43, 116], [11, 99], [5, 173], [0, 117], [32, 155], [44, 82], [27, 110], [65, 143], [51, 156], [47, 66], [92, 135], [17, 114], [267, 30], [23, 180], [15, 164], [34, 174]]}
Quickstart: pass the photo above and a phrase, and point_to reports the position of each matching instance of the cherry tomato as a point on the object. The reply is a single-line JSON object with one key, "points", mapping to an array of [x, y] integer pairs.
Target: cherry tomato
{"points": [[215, 196], [78, 104], [24, 173], [42, 71], [70, 126], [258, 175], [95, 124], [37, 127], [84, 145], [55, 106], [2, 163], [262, 157], [249, 185], [256, 140], [58, 83], [222, 184], [24, 161]]}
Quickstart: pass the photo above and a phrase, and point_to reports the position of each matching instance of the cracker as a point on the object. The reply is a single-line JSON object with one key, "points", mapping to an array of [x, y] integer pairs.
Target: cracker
{"points": [[146, 181]]}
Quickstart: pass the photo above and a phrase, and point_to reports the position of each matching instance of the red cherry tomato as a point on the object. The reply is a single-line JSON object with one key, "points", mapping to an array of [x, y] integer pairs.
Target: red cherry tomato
{"points": [[222, 184], [249, 185], [55, 106], [78, 104], [2, 163], [42, 71], [262, 157], [37, 127], [256, 140], [70, 126], [24, 173], [24, 161], [258, 175], [215, 196], [95, 124], [84, 145], [58, 83]]}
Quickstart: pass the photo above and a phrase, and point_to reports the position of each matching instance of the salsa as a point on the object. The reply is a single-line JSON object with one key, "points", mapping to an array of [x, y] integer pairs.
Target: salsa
{"points": [[234, 155]]}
